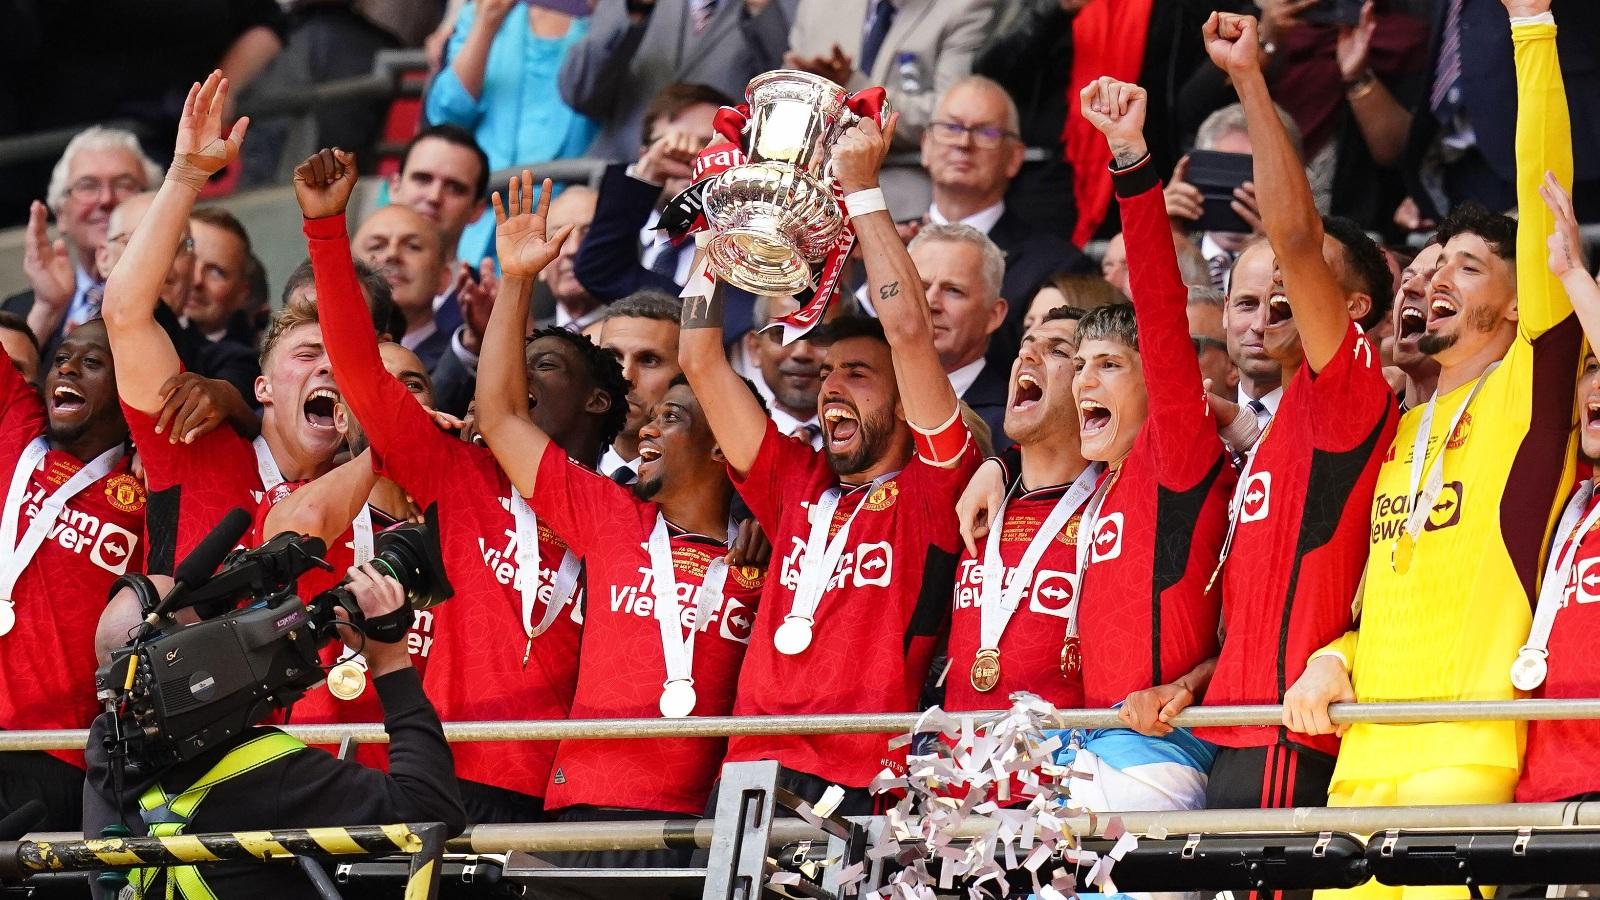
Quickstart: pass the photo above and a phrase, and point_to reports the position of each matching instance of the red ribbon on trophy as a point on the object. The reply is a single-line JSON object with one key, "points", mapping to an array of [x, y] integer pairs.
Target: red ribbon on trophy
{"points": [[685, 214]]}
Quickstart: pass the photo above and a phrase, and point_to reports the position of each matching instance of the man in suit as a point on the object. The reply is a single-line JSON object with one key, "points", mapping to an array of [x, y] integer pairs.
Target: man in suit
{"points": [[916, 49], [962, 271], [407, 248], [635, 48], [100, 168], [1461, 145]]}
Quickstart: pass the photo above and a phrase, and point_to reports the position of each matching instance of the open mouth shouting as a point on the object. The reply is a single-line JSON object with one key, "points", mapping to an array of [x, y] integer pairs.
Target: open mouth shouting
{"points": [[319, 407], [841, 424], [1278, 309], [1441, 306], [1413, 320], [66, 400], [1093, 418], [1027, 393]]}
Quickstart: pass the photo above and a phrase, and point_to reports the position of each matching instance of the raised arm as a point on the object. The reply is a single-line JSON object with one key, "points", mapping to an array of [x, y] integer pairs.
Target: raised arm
{"points": [[1566, 260], [502, 396], [1160, 298], [1288, 213], [325, 506], [735, 417], [894, 283], [133, 289], [1544, 145]]}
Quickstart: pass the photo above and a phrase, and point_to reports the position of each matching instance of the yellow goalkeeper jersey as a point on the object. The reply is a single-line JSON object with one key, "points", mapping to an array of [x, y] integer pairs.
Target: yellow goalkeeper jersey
{"points": [[1449, 625]]}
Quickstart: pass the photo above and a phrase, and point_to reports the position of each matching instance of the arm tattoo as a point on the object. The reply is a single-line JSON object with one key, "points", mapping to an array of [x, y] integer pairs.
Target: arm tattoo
{"points": [[702, 312], [892, 289]]}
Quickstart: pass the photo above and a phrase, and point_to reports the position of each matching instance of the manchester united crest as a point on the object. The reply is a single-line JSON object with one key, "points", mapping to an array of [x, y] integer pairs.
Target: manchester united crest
{"points": [[747, 577], [1461, 433], [124, 492], [1069, 534], [884, 497]]}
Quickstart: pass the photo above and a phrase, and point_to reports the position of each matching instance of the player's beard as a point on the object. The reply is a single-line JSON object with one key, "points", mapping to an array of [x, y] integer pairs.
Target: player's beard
{"points": [[873, 444], [645, 490], [1481, 319]]}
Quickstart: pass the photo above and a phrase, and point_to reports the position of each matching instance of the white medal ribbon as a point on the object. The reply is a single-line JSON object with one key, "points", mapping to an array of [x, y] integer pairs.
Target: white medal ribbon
{"points": [[816, 569], [1087, 525], [528, 563], [1236, 504], [1529, 669], [266, 466], [1433, 467], [996, 605], [20, 553], [677, 692]]}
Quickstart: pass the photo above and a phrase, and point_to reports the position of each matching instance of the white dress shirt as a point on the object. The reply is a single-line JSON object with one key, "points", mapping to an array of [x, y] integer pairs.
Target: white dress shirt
{"points": [[983, 219], [1270, 400], [611, 461], [963, 378]]}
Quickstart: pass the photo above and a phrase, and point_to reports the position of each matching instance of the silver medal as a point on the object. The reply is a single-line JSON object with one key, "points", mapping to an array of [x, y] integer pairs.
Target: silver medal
{"points": [[793, 636], [1529, 670], [677, 699], [8, 617]]}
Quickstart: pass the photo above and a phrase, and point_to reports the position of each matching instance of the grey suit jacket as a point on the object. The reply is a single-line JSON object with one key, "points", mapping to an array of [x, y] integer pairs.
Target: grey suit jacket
{"points": [[614, 72]]}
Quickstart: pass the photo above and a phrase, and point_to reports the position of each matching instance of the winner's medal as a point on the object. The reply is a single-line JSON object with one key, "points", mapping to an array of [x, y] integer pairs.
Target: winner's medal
{"points": [[1400, 555], [8, 617], [1529, 669], [678, 698], [1531, 666], [986, 670], [816, 566], [793, 636], [347, 680], [1071, 656]]}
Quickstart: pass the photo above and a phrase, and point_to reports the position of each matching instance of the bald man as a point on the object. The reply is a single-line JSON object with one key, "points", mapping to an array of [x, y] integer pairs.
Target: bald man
{"points": [[407, 248], [576, 308]]}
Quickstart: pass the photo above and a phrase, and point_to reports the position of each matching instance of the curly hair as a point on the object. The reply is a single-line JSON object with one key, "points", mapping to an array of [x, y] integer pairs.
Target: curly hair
{"points": [[605, 373], [1498, 231], [1366, 269]]}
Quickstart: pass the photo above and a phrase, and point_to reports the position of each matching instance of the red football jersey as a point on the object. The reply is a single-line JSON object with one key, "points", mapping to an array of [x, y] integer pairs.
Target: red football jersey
{"points": [[1301, 541], [1563, 757], [623, 666], [1030, 646], [192, 486], [47, 660], [477, 640], [1145, 617], [880, 616]]}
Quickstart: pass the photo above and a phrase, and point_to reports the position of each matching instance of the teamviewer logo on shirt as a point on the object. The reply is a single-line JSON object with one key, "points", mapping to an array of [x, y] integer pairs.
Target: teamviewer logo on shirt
{"points": [[1257, 500], [1587, 590], [1108, 537]]}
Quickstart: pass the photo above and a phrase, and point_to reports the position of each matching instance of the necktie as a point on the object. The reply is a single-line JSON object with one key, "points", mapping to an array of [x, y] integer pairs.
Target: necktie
{"points": [[808, 432], [1260, 409], [624, 475], [1445, 100], [702, 13], [93, 296], [877, 30], [666, 262]]}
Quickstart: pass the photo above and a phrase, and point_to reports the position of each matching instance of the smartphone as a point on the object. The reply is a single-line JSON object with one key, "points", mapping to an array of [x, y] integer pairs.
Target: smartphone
{"points": [[1346, 13], [1218, 175]]}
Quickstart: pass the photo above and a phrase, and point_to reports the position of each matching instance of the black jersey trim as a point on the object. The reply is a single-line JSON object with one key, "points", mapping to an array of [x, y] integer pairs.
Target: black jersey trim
{"points": [[1177, 515]]}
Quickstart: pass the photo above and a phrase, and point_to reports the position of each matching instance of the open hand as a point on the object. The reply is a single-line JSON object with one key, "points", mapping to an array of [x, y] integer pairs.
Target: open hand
{"points": [[47, 265], [322, 184], [1566, 246], [191, 406], [1185, 203], [201, 150], [980, 503], [524, 248], [1117, 110], [475, 297], [860, 151], [1354, 45]]}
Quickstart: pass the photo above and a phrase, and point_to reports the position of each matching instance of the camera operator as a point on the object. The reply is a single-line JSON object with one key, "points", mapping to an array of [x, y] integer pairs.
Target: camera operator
{"points": [[281, 783]]}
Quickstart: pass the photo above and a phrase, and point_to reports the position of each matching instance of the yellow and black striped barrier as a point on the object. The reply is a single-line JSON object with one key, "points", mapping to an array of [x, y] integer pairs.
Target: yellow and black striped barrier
{"points": [[424, 843]]}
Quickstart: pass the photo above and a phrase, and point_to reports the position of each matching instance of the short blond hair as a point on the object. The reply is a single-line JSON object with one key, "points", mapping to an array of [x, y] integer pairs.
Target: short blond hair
{"points": [[298, 309]]}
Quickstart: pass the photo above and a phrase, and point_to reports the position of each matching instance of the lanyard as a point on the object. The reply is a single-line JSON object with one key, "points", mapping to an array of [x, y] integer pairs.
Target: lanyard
{"points": [[997, 605], [1091, 520], [1422, 504], [20, 553], [566, 582], [1529, 670], [1236, 504], [816, 568], [677, 692]]}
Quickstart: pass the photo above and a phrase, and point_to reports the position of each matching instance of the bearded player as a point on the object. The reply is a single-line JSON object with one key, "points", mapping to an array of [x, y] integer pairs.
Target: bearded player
{"points": [[506, 647], [1016, 586], [1298, 521], [864, 532], [1466, 496], [1410, 324], [70, 527], [670, 619], [1556, 660]]}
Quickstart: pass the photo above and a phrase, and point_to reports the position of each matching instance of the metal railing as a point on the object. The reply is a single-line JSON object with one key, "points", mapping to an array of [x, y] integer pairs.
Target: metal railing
{"points": [[882, 723]]}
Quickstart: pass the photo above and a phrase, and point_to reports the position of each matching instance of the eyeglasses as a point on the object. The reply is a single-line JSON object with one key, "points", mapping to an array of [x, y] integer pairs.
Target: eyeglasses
{"points": [[985, 137], [1202, 344], [121, 187], [185, 246]]}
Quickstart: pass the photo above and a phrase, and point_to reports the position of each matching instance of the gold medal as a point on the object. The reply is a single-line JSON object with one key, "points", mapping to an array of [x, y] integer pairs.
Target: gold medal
{"points": [[1400, 556], [986, 670], [346, 681], [1071, 656]]}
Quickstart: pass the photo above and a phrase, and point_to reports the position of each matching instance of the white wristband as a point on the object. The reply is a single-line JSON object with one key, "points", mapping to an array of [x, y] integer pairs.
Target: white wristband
{"points": [[861, 203]]}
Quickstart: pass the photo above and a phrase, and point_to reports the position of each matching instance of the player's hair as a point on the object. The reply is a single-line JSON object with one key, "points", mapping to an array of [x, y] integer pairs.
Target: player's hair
{"points": [[1498, 231], [10, 321], [97, 137], [994, 259], [297, 310], [1083, 292], [386, 316], [220, 218], [605, 373], [846, 327], [460, 137], [1115, 322], [1064, 313], [1366, 270], [674, 99], [657, 305], [682, 379]]}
